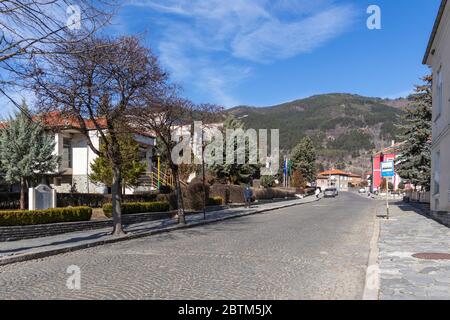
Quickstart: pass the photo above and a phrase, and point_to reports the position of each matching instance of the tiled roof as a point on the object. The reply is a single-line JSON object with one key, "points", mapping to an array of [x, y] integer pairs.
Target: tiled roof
{"points": [[334, 173], [56, 119]]}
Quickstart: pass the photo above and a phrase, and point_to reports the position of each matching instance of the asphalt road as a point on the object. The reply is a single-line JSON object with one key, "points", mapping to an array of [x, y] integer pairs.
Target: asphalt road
{"points": [[313, 251]]}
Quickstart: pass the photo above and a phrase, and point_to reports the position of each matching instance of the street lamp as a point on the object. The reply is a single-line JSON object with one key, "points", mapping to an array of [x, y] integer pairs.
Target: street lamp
{"points": [[158, 157]]}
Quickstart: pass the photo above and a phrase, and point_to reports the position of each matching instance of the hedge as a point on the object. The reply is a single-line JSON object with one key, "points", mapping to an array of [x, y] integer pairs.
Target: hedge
{"points": [[98, 200], [138, 207], [215, 201], [22, 218], [194, 197], [272, 193], [230, 193]]}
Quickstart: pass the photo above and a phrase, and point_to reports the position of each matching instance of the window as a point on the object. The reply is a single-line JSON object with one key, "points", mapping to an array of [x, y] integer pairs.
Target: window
{"points": [[439, 94], [437, 171], [67, 154]]}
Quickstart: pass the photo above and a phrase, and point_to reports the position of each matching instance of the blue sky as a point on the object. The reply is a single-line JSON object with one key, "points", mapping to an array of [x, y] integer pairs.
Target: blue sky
{"points": [[264, 52]]}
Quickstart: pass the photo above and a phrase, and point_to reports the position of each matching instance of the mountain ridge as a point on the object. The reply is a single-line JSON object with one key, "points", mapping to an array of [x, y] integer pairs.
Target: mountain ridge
{"points": [[346, 128]]}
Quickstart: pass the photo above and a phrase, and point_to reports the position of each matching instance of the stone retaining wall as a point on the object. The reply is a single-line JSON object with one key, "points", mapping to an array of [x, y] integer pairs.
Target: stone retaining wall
{"points": [[35, 231], [15, 233]]}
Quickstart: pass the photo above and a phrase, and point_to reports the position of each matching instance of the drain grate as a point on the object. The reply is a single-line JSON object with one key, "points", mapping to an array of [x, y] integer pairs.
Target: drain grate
{"points": [[432, 256]]}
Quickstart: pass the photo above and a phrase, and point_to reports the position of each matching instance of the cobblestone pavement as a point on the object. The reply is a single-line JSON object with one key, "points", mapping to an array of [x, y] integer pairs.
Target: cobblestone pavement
{"points": [[403, 276], [318, 250], [73, 239]]}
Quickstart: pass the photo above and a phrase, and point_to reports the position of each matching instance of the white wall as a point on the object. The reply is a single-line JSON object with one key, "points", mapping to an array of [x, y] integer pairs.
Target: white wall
{"points": [[441, 124]]}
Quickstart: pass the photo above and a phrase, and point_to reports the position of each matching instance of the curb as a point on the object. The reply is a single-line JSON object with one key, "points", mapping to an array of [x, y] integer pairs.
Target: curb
{"points": [[38, 255], [372, 283]]}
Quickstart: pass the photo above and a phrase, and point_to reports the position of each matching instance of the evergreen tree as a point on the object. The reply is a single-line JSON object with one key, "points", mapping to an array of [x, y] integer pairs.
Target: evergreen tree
{"points": [[132, 167], [26, 152], [304, 157], [234, 173], [414, 162]]}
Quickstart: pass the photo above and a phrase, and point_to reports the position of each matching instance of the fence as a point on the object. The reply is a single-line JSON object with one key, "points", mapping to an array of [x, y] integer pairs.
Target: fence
{"points": [[418, 196], [10, 200]]}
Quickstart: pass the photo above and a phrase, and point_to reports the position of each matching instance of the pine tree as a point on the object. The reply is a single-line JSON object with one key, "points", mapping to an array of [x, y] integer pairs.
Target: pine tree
{"points": [[132, 168], [304, 157], [414, 162], [234, 173], [26, 151]]}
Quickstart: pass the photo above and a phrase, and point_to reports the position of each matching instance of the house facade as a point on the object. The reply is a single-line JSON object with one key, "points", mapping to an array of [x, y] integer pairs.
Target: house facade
{"points": [[437, 57], [334, 179], [77, 156]]}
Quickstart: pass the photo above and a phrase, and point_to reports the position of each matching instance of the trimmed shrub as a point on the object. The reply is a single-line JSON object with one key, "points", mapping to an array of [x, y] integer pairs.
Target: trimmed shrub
{"points": [[98, 200], [267, 181], [81, 199], [237, 194], [194, 197], [230, 193], [215, 201], [170, 198], [272, 193], [222, 191], [23, 218], [138, 207]]}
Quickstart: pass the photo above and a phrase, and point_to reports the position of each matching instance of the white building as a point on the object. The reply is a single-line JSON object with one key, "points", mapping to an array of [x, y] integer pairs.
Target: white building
{"points": [[77, 156], [334, 179], [438, 58]]}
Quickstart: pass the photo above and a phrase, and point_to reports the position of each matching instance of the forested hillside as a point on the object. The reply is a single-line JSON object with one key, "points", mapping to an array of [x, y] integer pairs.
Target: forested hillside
{"points": [[345, 128]]}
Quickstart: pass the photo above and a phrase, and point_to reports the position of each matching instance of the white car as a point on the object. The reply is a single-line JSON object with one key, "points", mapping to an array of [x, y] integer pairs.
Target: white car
{"points": [[362, 190]]}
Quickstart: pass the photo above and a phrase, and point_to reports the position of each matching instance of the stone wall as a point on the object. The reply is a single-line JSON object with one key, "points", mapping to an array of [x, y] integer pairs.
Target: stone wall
{"points": [[81, 183]]}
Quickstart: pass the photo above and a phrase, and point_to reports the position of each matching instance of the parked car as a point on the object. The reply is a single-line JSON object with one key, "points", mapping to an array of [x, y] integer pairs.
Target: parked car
{"points": [[362, 190], [330, 193]]}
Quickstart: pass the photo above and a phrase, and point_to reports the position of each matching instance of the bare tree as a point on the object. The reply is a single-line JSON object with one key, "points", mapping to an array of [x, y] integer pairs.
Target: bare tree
{"points": [[209, 115], [33, 28], [98, 85], [161, 114]]}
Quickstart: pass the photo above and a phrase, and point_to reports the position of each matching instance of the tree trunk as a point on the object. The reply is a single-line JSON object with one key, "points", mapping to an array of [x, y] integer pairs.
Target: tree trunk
{"points": [[23, 192], [181, 217], [117, 202]]}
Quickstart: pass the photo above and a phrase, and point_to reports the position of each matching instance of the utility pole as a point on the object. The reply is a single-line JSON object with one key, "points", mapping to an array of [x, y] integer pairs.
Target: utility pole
{"points": [[387, 198]]}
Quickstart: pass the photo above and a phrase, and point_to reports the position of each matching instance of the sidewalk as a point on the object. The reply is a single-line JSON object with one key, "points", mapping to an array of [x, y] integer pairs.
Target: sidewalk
{"points": [[403, 276], [16, 251]]}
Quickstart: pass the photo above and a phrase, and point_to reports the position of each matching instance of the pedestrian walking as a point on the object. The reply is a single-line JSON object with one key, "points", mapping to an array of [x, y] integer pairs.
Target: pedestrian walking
{"points": [[248, 193], [318, 191]]}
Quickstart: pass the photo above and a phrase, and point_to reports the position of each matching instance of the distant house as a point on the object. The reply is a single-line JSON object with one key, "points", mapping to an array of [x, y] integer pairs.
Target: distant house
{"points": [[334, 178], [437, 56], [354, 179]]}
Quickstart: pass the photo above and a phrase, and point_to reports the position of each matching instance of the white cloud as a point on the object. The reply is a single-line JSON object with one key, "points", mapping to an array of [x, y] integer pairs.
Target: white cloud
{"points": [[211, 43], [277, 40]]}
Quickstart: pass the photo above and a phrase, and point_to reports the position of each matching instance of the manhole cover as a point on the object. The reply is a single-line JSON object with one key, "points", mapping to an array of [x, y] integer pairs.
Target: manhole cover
{"points": [[432, 256]]}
